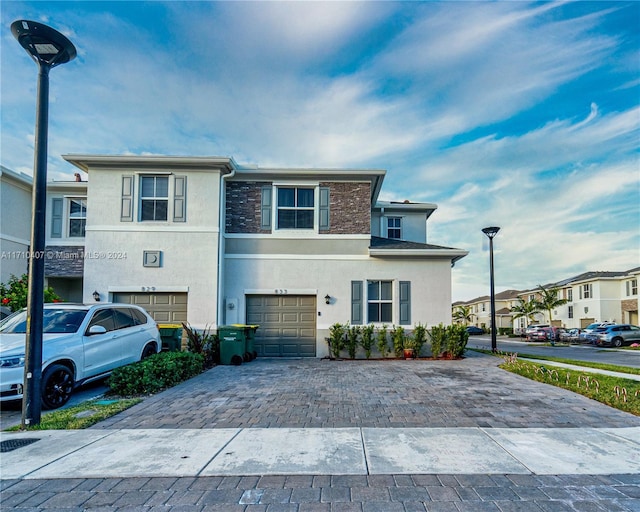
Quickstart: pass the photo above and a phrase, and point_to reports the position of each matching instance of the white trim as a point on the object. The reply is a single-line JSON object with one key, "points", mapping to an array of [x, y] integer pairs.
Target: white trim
{"points": [[284, 234], [280, 291], [442, 253], [300, 182], [148, 289], [337, 257], [155, 226], [16, 240]]}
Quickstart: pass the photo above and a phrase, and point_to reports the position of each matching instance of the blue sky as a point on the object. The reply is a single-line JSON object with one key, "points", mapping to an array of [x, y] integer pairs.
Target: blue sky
{"points": [[524, 115]]}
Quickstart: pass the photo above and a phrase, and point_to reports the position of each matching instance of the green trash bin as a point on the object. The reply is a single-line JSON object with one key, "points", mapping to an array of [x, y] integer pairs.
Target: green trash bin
{"points": [[250, 335], [232, 344], [171, 336]]}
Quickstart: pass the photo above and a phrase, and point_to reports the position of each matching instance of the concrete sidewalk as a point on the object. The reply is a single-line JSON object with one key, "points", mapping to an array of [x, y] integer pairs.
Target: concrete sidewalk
{"points": [[318, 451]]}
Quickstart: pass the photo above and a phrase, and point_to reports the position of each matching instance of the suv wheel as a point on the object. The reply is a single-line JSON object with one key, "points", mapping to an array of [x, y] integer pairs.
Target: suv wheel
{"points": [[148, 351], [617, 342], [57, 385]]}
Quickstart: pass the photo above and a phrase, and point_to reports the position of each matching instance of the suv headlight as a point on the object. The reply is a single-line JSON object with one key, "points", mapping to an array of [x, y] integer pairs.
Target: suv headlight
{"points": [[12, 361]]}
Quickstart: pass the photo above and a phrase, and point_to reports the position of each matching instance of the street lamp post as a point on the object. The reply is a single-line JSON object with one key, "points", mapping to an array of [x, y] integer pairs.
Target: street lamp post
{"points": [[48, 48], [491, 232]]}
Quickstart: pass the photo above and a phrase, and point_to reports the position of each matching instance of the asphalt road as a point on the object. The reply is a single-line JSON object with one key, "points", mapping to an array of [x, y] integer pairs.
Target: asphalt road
{"points": [[620, 357]]}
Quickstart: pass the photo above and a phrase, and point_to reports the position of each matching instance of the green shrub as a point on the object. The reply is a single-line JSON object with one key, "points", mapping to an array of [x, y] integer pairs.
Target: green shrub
{"points": [[457, 338], [203, 343], [13, 293], [352, 340], [155, 373], [438, 336], [336, 339], [398, 338], [383, 346], [419, 338], [367, 339]]}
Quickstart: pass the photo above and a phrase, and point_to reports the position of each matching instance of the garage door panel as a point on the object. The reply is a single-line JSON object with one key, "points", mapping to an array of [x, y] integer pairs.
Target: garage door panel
{"points": [[287, 324], [163, 307]]}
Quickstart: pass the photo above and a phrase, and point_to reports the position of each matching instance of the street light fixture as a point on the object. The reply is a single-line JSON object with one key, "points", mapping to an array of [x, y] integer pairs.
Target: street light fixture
{"points": [[48, 48], [491, 232]]}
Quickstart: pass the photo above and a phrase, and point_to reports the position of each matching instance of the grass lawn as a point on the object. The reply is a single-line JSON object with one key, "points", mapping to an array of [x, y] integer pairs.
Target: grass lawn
{"points": [[82, 415]]}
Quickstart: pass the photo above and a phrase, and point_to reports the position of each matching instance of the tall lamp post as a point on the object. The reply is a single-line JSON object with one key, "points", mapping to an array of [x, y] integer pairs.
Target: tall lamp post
{"points": [[491, 232], [48, 48]]}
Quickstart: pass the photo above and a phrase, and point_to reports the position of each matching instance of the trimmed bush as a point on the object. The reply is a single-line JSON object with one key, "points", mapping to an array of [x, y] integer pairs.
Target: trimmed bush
{"points": [[155, 373]]}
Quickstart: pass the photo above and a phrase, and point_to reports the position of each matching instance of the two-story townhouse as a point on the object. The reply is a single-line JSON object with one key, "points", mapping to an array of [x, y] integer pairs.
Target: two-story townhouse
{"points": [[65, 217], [629, 294], [65, 237], [15, 223], [480, 310], [206, 241]]}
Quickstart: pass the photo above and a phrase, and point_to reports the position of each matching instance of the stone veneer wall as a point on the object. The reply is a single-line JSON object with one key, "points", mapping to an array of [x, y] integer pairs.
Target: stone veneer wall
{"points": [[64, 261], [350, 207], [243, 207]]}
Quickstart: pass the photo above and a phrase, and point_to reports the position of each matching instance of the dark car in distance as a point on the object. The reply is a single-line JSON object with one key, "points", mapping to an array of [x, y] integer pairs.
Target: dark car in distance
{"points": [[472, 329]]}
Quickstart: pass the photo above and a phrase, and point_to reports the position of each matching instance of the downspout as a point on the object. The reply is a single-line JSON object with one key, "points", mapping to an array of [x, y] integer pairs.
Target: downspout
{"points": [[222, 243]]}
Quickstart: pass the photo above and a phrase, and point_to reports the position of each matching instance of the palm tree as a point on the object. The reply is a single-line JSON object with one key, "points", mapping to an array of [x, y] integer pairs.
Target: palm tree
{"points": [[525, 309], [462, 314], [550, 301]]}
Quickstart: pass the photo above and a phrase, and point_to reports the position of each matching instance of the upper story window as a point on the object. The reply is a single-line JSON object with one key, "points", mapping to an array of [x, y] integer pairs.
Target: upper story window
{"points": [[569, 294], [632, 287], [570, 312], [77, 217], [586, 292], [379, 301], [295, 208], [154, 197], [68, 217], [394, 227]]}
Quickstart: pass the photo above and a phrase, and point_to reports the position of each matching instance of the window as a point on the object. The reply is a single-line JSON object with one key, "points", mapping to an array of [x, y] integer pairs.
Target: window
{"points": [[632, 287], [154, 197], [77, 217], [570, 313], [295, 208], [394, 227], [379, 301], [570, 294], [103, 317], [585, 291]]}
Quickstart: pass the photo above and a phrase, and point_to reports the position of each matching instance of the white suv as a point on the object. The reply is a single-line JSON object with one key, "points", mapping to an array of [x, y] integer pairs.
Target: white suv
{"points": [[81, 342]]}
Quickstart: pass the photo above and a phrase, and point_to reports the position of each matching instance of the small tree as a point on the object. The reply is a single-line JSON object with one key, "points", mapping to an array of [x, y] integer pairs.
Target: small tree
{"points": [[336, 339], [352, 340], [383, 345], [462, 314], [366, 339], [525, 309], [15, 292], [550, 301]]}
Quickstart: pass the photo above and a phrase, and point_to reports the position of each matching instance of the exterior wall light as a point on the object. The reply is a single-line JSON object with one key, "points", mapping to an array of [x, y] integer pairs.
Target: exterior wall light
{"points": [[96, 296], [327, 299]]}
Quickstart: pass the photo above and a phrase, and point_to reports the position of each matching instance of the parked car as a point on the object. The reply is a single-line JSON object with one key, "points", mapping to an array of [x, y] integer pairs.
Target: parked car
{"points": [[81, 343], [546, 333], [570, 336], [584, 333], [533, 328], [615, 335], [472, 329]]}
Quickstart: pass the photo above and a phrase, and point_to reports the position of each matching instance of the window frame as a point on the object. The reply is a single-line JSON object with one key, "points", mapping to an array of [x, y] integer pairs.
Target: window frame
{"points": [[397, 228], [296, 208], [380, 301], [69, 218], [155, 198]]}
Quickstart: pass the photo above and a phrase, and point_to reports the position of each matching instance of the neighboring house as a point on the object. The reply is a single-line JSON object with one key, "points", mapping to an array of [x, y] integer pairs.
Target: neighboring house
{"points": [[15, 223], [480, 309], [206, 241], [591, 297], [65, 217], [594, 297]]}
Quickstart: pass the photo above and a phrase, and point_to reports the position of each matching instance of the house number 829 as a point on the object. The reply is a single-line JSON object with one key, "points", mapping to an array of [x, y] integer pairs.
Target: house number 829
{"points": [[281, 292]]}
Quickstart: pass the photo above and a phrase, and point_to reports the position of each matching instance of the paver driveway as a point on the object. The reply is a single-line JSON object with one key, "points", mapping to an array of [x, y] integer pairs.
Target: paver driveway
{"points": [[472, 392]]}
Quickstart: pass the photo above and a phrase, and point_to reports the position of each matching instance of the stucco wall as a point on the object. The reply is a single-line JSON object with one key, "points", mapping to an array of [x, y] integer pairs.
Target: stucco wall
{"points": [[430, 285]]}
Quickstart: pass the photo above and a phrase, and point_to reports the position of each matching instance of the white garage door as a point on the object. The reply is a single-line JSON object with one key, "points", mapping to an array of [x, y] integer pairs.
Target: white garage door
{"points": [[287, 324], [165, 308]]}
